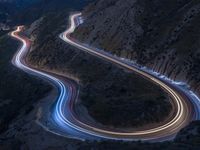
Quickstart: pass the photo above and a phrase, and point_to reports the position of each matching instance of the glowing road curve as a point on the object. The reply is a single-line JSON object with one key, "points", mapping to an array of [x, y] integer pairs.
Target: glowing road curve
{"points": [[64, 116], [185, 109]]}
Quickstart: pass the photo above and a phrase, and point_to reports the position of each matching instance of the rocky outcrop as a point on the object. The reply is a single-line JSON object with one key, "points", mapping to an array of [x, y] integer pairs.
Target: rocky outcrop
{"points": [[163, 35]]}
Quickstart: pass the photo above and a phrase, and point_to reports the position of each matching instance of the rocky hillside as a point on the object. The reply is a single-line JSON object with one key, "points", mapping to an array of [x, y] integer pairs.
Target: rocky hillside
{"points": [[161, 34]]}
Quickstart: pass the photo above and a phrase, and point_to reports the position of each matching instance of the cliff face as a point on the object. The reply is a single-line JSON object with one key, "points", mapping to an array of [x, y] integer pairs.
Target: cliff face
{"points": [[161, 34]]}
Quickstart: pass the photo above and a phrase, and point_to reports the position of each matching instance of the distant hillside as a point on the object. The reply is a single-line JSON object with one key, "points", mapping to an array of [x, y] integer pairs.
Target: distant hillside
{"points": [[26, 11], [20, 3]]}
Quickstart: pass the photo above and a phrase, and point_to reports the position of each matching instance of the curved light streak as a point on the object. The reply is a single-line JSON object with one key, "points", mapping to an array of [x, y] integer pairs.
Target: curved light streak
{"points": [[63, 112], [183, 112]]}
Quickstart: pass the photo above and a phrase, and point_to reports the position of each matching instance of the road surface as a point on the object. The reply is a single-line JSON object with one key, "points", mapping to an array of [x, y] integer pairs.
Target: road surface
{"points": [[64, 115]]}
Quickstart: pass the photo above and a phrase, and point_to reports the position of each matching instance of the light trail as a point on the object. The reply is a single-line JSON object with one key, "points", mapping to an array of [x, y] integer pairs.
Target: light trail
{"points": [[64, 95], [63, 114], [18, 61], [184, 112]]}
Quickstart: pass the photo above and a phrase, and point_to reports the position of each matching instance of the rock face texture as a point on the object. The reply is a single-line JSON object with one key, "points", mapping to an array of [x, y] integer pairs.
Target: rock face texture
{"points": [[161, 34]]}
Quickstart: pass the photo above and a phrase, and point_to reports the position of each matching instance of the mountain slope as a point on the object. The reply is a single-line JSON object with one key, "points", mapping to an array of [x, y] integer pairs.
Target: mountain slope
{"points": [[161, 34]]}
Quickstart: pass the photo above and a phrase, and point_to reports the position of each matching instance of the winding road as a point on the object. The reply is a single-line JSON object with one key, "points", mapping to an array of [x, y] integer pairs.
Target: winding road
{"points": [[64, 115]]}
